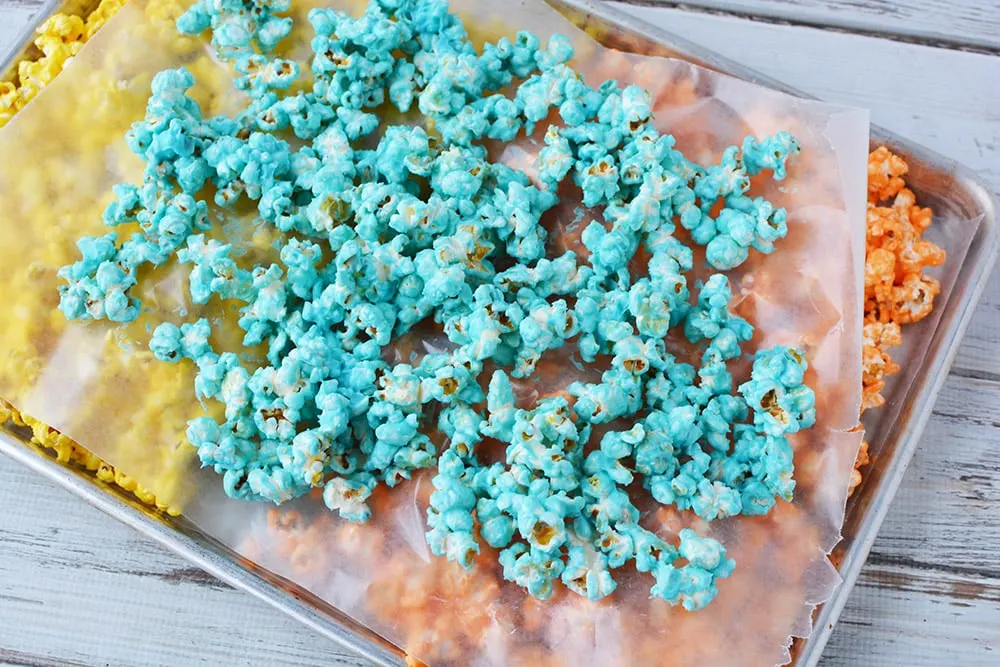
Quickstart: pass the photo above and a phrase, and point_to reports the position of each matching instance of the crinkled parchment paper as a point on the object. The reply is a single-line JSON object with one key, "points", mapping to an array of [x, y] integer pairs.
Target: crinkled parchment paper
{"points": [[99, 384]]}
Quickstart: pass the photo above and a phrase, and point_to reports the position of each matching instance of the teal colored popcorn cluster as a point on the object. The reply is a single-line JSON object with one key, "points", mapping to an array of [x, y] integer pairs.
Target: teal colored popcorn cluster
{"points": [[388, 226]]}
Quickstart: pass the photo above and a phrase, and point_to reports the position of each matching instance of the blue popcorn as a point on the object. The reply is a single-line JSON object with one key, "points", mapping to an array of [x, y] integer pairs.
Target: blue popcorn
{"points": [[166, 343], [348, 497], [714, 500], [301, 259], [277, 485], [450, 512], [769, 153], [756, 499], [617, 546], [770, 223], [393, 432], [497, 529], [502, 115], [261, 74], [610, 251], [451, 384], [306, 458], [540, 524], [307, 116], [650, 550], [544, 327], [636, 355], [587, 573], [213, 370], [267, 307], [189, 341], [693, 585], [724, 179], [521, 207], [735, 234], [90, 299], [214, 271], [238, 26], [655, 456], [123, 209], [535, 571], [458, 174], [618, 393], [462, 425], [501, 407], [654, 311], [628, 111], [718, 418], [776, 469], [598, 179], [389, 230], [711, 319], [780, 402], [556, 159]]}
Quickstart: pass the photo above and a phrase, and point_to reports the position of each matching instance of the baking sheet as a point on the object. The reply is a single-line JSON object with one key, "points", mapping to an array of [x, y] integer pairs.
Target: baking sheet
{"points": [[952, 319]]}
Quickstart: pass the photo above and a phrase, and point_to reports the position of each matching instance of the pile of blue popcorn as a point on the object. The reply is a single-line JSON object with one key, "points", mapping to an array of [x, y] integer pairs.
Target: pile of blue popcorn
{"points": [[389, 226]]}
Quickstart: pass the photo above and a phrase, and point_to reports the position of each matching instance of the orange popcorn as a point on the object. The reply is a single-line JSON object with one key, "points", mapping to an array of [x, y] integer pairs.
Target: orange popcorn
{"points": [[885, 174], [896, 290], [862, 460]]}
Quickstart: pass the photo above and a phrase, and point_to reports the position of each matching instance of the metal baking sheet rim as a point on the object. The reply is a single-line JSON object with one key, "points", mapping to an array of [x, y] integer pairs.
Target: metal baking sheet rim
{"points": [[198, 548]]}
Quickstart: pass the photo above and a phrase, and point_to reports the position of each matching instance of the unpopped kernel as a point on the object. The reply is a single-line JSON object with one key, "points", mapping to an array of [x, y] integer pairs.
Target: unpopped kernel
{"points": [[391, 226]]}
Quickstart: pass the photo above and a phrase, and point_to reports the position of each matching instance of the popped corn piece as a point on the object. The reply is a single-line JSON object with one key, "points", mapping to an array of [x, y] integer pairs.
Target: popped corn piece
{"points": [[862, 460], [779, 400], [885, 175], [693, 585], [769, 153], [238, 26], [913, 300]]}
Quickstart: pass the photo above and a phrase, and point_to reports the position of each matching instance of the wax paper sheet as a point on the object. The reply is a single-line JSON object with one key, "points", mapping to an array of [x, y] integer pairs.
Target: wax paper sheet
{"points": [[99, 384]]}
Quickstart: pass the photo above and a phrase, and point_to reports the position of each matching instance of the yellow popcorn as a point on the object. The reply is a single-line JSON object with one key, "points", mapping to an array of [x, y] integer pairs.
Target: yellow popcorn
{"points": [[24, 348], [100, 16], [59, 39]]}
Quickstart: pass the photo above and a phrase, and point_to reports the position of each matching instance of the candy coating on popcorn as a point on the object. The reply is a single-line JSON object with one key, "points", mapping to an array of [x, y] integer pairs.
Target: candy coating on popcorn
{"points": [[385, 227], [897, 290]]}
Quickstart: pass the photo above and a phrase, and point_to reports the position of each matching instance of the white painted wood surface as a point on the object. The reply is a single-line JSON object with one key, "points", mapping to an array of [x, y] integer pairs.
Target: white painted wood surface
{"points": [[76, 588], [964, 24]]}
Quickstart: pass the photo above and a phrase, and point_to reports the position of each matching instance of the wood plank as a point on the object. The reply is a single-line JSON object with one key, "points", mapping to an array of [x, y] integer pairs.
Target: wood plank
{"points": [[955, 487], [930, 591], [926, 628], [78, 588], [955, 24], [978, 355]]}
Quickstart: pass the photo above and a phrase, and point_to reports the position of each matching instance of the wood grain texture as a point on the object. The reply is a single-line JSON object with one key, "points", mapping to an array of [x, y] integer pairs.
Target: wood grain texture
{"points": [[930, 591], [963, 24], [76, 588]]}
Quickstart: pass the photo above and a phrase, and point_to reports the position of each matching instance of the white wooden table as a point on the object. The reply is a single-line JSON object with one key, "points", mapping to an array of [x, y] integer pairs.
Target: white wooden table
{"points": [[76, 588]]}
